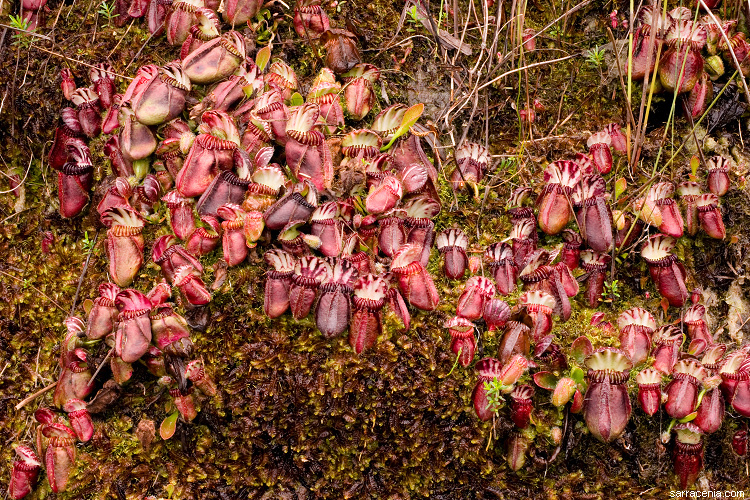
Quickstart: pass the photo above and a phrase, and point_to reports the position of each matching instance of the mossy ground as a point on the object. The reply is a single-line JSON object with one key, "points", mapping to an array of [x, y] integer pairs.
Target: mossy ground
{"points": [[298, 415]]}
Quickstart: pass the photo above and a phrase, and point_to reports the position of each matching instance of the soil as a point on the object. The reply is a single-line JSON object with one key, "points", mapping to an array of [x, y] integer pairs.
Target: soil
{"points": [[301, 416]]}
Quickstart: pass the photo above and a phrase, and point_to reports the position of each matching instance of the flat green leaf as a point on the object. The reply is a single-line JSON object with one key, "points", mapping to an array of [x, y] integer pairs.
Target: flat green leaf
{"points": [[688, 418], [694, 164], [168, 426], [88, 304], [620, 186], [262, 57], [700, 398], [578, 375], [546, 380], [410, 118], [296, 100]]}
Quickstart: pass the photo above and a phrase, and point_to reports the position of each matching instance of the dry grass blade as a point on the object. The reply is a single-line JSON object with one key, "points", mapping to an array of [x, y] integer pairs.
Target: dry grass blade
{"points": [[529, 66], [35, 395], [731, 49], [56, 54], [35, 289], [83, 273], [22, 181], [123, 37], [32, 33], [628, 104], [101, 365]]}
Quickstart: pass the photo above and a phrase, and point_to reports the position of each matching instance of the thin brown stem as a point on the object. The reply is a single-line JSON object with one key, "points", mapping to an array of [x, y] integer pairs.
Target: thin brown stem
{"points": [[731, 50], [101, 365], [83, 273], [622, 79], [35, 289], [38, 393]]}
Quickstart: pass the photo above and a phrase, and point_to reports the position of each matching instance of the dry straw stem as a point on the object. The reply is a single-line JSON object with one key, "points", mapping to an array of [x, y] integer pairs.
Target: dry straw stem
{"points": [[483, 65], [528, 66], [671, 117], [562, 16], [640, 128], [35, 289], [101, 365], [514, 51], [35, 395], [485, 57], [83, 273], [729, 45], [23, 181], [139, 50], [622, 80], [26, 31], [78, 61], [123, 37], [647, 185]]}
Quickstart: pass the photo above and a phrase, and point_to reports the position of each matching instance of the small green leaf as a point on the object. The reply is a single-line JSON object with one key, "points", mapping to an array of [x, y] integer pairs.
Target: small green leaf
{"points": [[262, 57], [264, 14], [670, 426], [87, 305], [168, 426], [620, 186], [494, 389], [694, 164], [700, 397], [410, 118], [296, 100], [359, 205], [546, 380], [689, 417], [577, 374], [455, 363]]}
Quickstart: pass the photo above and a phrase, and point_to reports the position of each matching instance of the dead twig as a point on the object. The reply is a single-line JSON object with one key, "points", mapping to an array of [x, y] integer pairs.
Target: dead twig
{"points": [[83, 273], [32, 33], [689, 114], [731, 50], [101, 365], [564, 15], [123, 38], [35, 289], [28, 169], [622, 79], [62, 56], [529, 66], [38, 393]]}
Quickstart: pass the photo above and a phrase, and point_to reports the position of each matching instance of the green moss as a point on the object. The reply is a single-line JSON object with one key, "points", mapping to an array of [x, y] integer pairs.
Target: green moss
{"points": [[296, 411]]}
